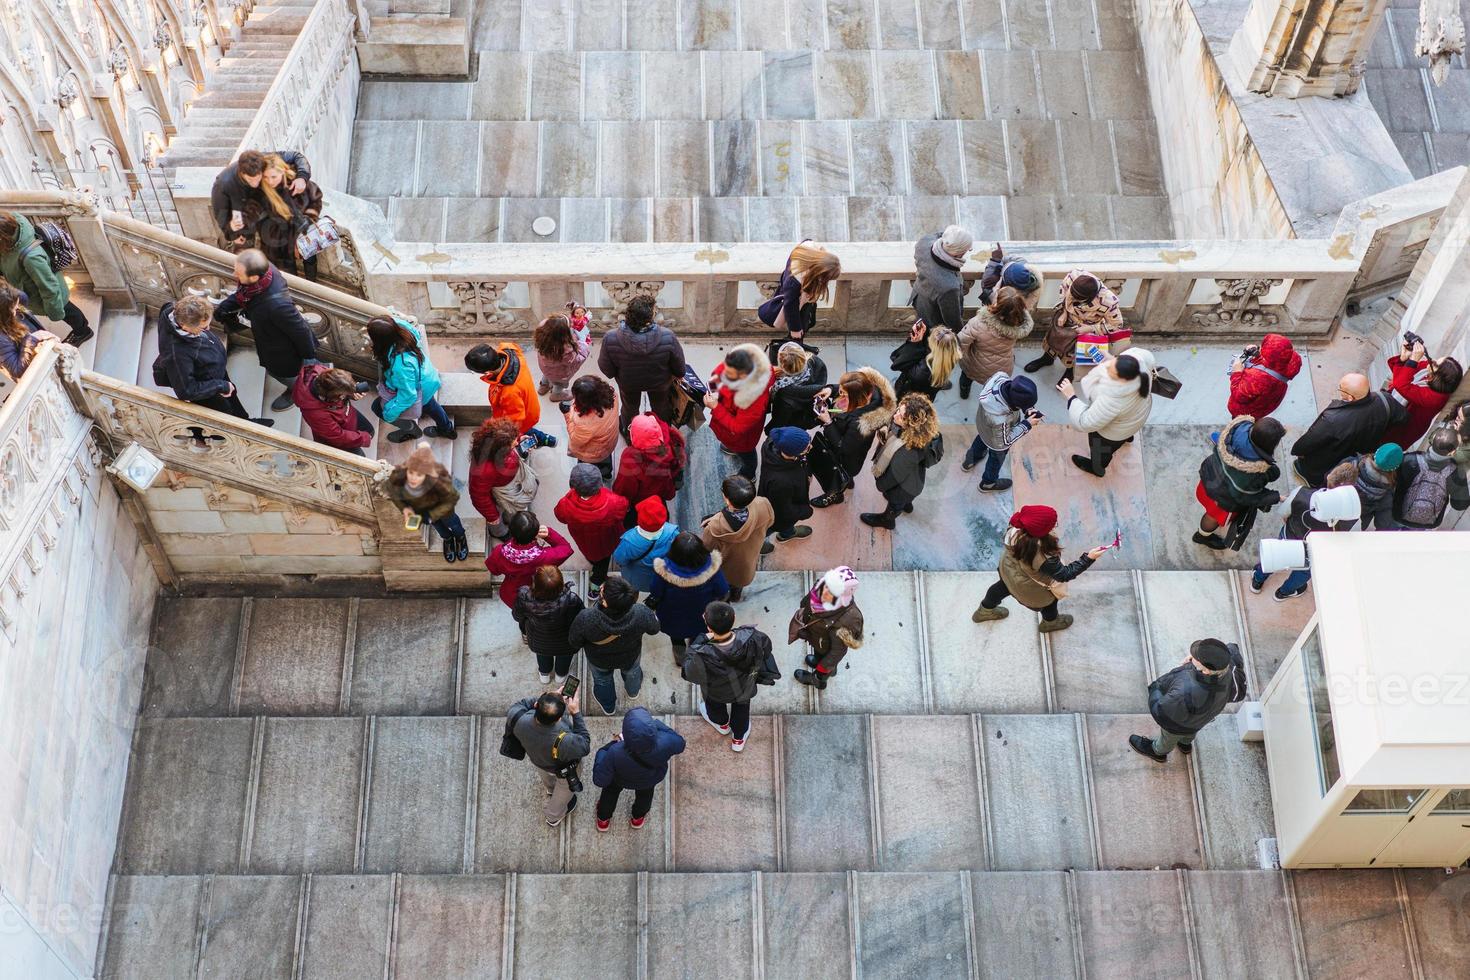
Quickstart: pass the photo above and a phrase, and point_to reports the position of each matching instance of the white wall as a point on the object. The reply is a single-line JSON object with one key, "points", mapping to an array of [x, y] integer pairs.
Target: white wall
{"points": [[71, 670]]}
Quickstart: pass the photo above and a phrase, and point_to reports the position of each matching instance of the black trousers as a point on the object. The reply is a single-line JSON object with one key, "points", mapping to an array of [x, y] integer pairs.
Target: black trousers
{"points": [[560, 666], [736, 715], [1101, 450], [607, 802], [660, 402], [599, 570], [228, 404], [998, 592], [73, 316]]}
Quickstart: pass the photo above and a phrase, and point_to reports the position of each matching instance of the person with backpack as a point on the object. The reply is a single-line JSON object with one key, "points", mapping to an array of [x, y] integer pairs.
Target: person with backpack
{"points": [[1235, 480], [1188, 698], [727, 663], [1259, 376], [644, 543], [325, 395], [31, 259], [191, 359], [610, 634], [642, 357], [738, 400], [830, 621], [551, 734], [594, 516], [636, 759], [283, 341], [1430, 483], [512, 390], [531, 545], [544, 610]]}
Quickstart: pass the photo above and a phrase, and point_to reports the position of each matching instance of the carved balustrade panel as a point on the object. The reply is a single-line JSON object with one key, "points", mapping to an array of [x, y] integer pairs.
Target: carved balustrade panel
{"points": [[231, 451]]}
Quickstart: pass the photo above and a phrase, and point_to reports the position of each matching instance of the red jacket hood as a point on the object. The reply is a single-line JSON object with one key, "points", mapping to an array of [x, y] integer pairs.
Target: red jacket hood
{"points": [[603, 507], [303, 395], [1278, 355]]}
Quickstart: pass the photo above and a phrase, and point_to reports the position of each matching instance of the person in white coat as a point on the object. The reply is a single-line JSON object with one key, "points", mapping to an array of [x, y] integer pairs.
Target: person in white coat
{"points": [[1112, 406]]}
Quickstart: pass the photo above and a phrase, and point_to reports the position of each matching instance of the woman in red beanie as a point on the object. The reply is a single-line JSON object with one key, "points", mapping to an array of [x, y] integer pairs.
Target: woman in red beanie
{"points": [[1031, 569]]}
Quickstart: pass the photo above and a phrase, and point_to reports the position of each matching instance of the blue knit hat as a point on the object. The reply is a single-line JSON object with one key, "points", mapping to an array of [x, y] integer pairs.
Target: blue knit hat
{"points": [[1016, 273], [1019, 393], [789, 440], [1389, 457]]}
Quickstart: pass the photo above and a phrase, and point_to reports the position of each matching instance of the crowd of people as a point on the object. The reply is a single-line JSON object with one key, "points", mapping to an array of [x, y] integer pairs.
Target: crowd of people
{"points": [[786, 423]]}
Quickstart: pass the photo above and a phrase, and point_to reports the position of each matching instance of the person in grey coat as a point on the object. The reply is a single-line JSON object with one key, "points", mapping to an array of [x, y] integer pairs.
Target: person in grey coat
{"points": [[1005, 412], [1186, 699], [939, 289], [551, 730]]}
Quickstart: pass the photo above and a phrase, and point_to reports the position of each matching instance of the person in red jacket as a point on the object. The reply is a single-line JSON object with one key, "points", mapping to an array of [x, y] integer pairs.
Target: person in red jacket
{"points": [[512, 389], [325, 395], [594, 515], [740, 396], [494, 463], [530, 546], [1424, 386], [653, 465], [1258, 382]]}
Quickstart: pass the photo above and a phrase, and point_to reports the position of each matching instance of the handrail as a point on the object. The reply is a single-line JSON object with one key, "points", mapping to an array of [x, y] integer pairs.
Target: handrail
{"points": [[235, 452]]}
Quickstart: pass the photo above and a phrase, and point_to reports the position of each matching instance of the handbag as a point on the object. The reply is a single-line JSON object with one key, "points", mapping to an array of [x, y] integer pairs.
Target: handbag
{"points": [[510, 746], [1094, 347], [1164, 384], [319, 236]]}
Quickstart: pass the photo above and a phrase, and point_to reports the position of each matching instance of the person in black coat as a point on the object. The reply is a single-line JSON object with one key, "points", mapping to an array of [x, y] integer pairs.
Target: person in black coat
{"points": [[236, 200], [907, 448], [611, 632], [785, 479], [642, 356], [1353, 423], [637, 758], [925, 361], [1186, 699], [727, 663], [283, 340], [800, 377], [191, 359], [545, 610], [860, 406]]}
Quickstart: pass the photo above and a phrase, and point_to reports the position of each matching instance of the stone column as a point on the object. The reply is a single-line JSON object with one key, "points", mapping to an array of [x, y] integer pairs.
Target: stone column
{"points": [[1294, 48]]}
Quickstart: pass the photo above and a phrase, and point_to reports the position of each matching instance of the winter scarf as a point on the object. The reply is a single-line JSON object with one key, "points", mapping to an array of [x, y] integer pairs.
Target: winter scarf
{"points": [[249, 290]]}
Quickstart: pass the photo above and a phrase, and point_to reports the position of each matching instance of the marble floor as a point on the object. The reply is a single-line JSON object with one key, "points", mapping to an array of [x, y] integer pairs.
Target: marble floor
{"points": [[768, 120]]}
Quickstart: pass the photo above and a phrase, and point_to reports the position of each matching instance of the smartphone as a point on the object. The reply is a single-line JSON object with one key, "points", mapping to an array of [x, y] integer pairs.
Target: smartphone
{"points": [[526, 444], [413, 522], [569, 689], [363, 387]]}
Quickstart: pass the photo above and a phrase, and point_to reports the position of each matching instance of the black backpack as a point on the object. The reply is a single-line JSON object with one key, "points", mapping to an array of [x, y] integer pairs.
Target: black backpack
{"points": [[510, 746], [57, 243], [1239, 690]]}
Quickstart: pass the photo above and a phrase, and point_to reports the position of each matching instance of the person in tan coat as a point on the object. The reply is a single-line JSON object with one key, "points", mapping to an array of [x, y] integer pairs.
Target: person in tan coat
{"points": [[1031, 570], [739, 532], [988, 341]]}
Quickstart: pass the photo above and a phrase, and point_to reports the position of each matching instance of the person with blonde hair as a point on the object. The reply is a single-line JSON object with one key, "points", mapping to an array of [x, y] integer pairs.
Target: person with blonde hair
{"points": [[806, 280], [800, 377], [292, 204], [925, 360]]}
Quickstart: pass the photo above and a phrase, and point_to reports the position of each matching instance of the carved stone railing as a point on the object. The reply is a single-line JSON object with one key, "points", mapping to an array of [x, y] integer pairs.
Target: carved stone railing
{"points": [[232, 451], [302, 94], [141, 266]]}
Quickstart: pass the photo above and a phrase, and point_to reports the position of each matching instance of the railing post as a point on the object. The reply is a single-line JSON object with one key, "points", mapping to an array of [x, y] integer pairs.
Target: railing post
{"points": [[1163, 301]]}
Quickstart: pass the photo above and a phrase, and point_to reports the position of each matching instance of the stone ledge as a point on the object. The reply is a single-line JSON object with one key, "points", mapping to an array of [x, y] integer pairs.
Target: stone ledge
{"points": [[420, 46]]}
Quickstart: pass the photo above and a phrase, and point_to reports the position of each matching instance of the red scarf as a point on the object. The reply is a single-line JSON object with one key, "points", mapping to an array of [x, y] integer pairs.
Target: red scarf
{"points": [[249, 290]]}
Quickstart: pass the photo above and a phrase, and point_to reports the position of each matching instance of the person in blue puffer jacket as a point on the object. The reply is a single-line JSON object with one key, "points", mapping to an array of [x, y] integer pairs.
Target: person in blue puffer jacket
{"points": [[409, 383], [636, 759]]}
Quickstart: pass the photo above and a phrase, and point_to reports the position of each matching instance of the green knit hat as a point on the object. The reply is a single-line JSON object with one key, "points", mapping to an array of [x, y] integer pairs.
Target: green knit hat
{"points": [[1388, 457]]}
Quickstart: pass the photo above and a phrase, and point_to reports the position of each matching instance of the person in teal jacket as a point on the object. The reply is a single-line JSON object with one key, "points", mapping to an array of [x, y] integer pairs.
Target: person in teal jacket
{"points": [[409, 383], [27, 267], [642, 544]]}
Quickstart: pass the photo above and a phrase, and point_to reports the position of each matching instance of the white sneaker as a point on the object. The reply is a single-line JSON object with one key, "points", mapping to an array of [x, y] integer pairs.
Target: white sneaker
{"points": [[738, 744], [704, 713], [545, 679]]}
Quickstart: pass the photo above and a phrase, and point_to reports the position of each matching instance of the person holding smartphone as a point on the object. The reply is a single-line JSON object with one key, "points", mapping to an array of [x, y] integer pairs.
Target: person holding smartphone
{"points": [[1007, 411], [1032, 572], [553, 735], [423, 488]]}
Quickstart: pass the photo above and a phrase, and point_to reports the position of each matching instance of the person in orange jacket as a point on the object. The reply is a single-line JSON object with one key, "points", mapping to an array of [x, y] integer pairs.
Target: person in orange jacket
{"points": [[512, 389]]}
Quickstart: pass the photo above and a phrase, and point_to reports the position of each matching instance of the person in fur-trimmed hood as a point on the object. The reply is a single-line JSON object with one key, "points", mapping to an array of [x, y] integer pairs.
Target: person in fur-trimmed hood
{"points": [[829, 619], [863, 404], [1236, 478], [739, 397], [988, 341], [686, 579], [906, 449]]}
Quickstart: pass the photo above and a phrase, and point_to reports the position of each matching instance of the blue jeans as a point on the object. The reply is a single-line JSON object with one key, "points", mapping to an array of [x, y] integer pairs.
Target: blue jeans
{"points": [[432, 408], [604, 690], [449, 527], [978, 451], [1295, 581]]}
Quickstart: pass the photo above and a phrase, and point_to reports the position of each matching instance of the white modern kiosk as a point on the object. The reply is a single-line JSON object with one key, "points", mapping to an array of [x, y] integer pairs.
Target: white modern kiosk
{"points": [[1367, 721]]}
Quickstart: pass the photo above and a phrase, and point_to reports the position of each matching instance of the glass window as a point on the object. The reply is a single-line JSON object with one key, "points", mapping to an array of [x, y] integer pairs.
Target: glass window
{"points": [[1385, 800], [1321, 712], [1455, 801]]}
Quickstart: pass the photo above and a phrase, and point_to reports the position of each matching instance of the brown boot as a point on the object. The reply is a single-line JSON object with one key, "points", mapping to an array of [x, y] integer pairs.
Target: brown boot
{"points": [[1053, 625], [983, 615]]}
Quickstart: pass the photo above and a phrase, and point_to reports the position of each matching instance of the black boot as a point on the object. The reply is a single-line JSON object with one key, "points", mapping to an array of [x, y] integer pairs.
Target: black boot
{"points": [[404, 435], [827, 499], [965, 384], [449, 549], [735, 593], [810, 679], [887, 519], [461, 548], [810, 660], [1031, 367]]}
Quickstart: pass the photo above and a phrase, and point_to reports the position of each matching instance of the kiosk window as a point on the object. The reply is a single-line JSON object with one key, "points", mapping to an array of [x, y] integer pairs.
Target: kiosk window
{"points": [[1385, 800], [1321, 712], [1455, 801]]}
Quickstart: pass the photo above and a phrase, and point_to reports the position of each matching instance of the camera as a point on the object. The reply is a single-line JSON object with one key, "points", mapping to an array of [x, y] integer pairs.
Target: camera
{"points": [[1411, 338], [1251, 353], [363, 387], [569, 773]]}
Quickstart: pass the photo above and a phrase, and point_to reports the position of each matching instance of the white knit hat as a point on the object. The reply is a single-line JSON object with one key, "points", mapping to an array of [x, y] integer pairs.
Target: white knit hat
{"points": [[956, 241]]}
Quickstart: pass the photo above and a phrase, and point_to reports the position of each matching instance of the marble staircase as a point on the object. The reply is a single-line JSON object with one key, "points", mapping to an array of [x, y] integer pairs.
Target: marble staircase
{"points": [[217, 120]]}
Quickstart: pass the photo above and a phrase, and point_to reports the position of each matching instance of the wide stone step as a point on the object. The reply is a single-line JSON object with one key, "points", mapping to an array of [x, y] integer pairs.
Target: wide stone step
{"points": [[1215, 925], [446, 655], [809, 793]]}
